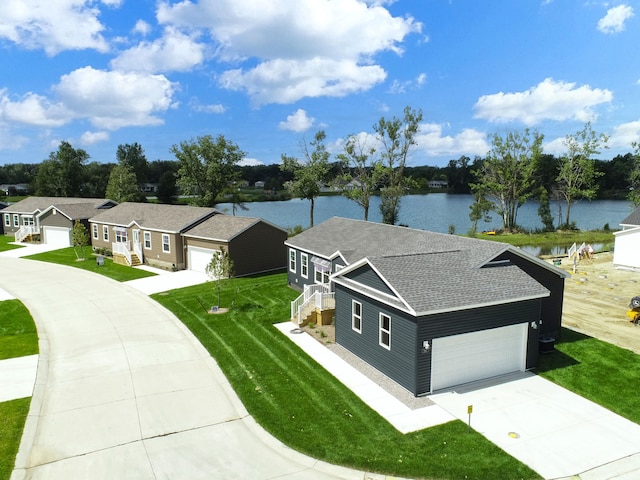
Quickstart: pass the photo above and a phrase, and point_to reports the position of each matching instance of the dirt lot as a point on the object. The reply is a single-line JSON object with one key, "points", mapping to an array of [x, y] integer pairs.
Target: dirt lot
{"points": [[596, 299]]}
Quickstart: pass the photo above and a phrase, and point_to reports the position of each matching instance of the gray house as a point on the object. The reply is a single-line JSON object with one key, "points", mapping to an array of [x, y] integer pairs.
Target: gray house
{"points": [[429, 310]]}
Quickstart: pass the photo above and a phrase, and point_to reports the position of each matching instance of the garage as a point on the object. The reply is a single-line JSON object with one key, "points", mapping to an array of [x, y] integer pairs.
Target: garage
{"points": [[198, 258], [472, 356], [58, 236]]}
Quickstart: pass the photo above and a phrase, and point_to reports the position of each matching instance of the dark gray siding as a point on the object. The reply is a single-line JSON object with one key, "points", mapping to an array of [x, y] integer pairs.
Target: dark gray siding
{"points": [[398, 363], [551, 306], [57, 220], [367, 276], [296, 279], [259, 249], [467, 321]]}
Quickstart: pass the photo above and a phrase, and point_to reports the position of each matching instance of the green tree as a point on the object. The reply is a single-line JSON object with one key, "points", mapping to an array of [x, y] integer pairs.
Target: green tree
{"points": [[63, 172], [577, 174], [480, 209], [167, 189], [133, 155], [397, 137], [364, 171], [123, 186], [206, 167], [79, 238], [634, 177], [308, 175], [544, 210], [506, 177], [219, 269]]}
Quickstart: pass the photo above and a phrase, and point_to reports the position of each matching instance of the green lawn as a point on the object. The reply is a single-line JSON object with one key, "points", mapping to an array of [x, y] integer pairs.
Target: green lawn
{"points": [[597, 370], [67, 256], [4, 243], [305, 407], [552, 239], [18, 337]]}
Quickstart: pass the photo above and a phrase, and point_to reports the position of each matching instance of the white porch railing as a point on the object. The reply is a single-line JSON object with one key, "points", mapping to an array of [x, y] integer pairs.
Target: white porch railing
{"points": [[313, 296], [137, 249], [26, 230], [122, 249]]}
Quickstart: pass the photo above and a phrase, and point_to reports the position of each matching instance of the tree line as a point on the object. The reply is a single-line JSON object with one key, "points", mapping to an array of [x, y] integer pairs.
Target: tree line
{"points": [[207, 170]]}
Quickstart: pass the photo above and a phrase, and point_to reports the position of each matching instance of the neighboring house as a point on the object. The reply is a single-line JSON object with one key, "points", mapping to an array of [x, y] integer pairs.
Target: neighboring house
{"points": [[255, 246], [149, 187], [626, 252], [259, 184], [147, 233], [429, 310], [14, 189], [50, 219], [3, 205], [438, 184]]}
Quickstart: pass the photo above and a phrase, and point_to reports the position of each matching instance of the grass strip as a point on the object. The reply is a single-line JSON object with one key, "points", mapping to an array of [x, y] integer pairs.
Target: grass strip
{"points": [[305, 407], [67, 256], [5, 245], [596, 370], [13, 415], [18, 335]]}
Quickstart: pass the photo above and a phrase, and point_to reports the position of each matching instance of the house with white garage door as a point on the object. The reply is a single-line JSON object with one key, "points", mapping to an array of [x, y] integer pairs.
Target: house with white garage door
{"points": [[255, 245], [179, 237], [428, 310], [50, 220]]}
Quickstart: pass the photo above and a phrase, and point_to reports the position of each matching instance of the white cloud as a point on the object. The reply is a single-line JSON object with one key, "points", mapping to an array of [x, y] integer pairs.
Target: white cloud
{"points": [[433, 143], [286, 81], [250, 162], [53, 26], [196, 106], [549, 100], [175, 51], [142, 28], [9, 140], [33, 109], [613, 21], [90, 138], [624, 135], [302, 48], [298, 121], [401, 87]]}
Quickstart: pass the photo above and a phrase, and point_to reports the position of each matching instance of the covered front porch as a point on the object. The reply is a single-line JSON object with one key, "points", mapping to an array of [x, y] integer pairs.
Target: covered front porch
{"points": [[316, 305]]}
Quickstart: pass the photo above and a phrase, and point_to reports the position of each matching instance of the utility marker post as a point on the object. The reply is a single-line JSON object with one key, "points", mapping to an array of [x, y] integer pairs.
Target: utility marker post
{"points": [[469, 411]]}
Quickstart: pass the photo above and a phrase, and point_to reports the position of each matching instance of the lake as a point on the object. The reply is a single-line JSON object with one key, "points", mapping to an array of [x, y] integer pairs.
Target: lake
{"points": [[434, 212]]}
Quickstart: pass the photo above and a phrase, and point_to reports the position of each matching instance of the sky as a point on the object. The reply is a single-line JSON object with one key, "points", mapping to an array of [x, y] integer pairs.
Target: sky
{"points": [[268, 74]]}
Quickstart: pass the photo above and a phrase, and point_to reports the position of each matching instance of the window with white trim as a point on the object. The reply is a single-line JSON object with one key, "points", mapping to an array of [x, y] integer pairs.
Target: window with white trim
{"points": [[7, 220], [27, 220], [94, 229], [304, 265], [385, 331], [105, 233], [322, 276], [356, 316], [292, 260], [166, 243], [16, 220], [147, 240], [121, 235]]}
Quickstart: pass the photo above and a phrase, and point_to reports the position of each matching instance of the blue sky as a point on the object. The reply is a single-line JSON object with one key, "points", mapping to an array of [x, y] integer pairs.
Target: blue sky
{"points": [[268, 74]]}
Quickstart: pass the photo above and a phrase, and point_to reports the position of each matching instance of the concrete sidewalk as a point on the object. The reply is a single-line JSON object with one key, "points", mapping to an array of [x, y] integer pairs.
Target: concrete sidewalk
{"points": [[124, 390]]}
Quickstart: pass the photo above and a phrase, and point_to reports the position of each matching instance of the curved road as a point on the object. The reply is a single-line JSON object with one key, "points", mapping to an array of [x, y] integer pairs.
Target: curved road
{"points": [[125, 391]]}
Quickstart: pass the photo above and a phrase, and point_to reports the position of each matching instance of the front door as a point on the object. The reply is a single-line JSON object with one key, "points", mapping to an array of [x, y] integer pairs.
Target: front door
{"points": [[136, 236]]}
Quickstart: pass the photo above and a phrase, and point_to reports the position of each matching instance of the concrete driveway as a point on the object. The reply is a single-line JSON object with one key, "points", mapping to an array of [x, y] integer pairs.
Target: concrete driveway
{"points": [[123, 390]]}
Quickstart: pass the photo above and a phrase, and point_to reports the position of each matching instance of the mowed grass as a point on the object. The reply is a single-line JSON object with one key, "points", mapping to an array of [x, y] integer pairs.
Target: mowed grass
{"points": [[305, 407], [604, 373], [18, 335], [4, 243], [13, 415], [67, 256]]}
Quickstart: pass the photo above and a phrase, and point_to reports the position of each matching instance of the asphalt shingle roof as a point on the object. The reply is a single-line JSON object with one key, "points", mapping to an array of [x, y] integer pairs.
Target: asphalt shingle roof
{"points": [[38, 204], [222, 227], [429, 271], [154, 216], [633, 218]]}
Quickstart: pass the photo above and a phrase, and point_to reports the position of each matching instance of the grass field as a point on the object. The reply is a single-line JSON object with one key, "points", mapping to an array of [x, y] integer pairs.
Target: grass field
{"points": [[305, 407], [4, 243], [67, 256]]}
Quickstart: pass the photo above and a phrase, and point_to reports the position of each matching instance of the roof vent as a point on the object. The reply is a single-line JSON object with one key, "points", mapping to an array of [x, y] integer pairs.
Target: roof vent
{"points": [[497, 263]]}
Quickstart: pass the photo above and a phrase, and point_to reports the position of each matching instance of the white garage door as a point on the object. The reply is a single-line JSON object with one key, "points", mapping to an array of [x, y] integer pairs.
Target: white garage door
{"points": [[474, 356], [58, 236], [198, 258]]}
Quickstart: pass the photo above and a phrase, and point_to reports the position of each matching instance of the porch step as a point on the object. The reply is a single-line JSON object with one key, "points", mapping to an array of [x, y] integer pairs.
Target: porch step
{"points": [[135, 261]]}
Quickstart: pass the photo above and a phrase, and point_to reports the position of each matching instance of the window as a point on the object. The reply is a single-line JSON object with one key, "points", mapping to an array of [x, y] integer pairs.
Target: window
{"points": [[27, 220], [147, 240], [356, 316], [105, 233], [7, 220], [385, 331], [166, 245], [292, 260], [322, 276], [94, 229], [304, 265], [16, 220], [121, 235]]}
